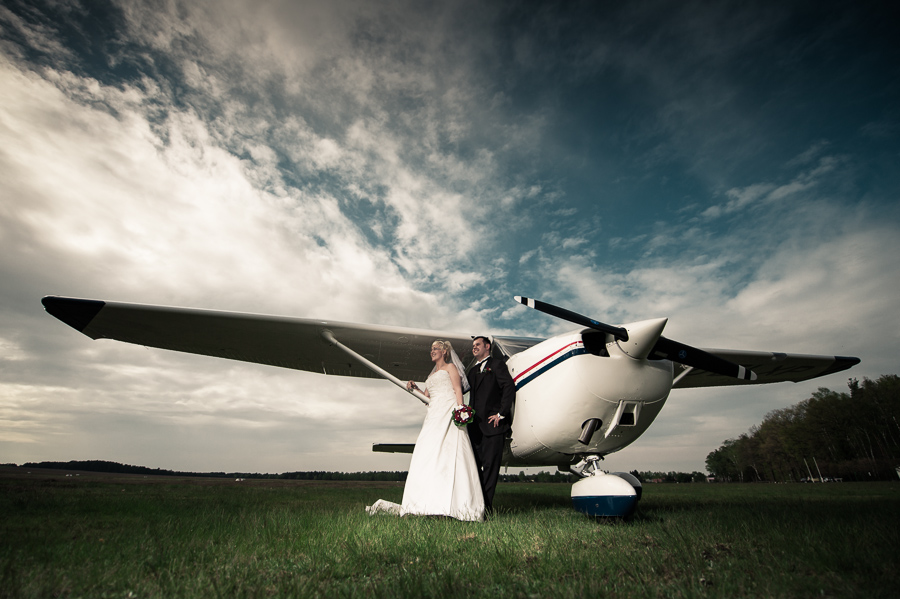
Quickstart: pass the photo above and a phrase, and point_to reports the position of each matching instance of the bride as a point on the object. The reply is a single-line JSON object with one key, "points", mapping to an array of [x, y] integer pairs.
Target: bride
{"points": [[443, 478]]}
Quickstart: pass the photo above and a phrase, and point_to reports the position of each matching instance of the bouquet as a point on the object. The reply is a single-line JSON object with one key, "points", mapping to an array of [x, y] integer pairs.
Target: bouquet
{"points": [[462, 415]]}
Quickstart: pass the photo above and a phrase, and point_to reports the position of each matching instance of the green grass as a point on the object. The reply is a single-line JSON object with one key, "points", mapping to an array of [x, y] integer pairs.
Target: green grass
{"points": [[103, 536]]}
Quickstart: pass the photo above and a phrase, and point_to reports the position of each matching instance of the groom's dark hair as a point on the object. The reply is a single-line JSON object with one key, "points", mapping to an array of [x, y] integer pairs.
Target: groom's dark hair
{"points": [[483, 338]]}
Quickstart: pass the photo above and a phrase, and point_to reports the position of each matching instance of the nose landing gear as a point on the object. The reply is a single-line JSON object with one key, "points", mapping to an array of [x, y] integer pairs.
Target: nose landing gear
{"points": [[600, 494]]}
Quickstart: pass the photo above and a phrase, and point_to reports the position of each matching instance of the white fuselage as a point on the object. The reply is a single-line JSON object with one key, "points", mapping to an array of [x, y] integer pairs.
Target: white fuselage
{"points": [[567, 380]]}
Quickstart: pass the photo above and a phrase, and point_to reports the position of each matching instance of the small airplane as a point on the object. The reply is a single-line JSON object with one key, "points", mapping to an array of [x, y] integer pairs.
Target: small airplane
{"points": [[580, 395]]}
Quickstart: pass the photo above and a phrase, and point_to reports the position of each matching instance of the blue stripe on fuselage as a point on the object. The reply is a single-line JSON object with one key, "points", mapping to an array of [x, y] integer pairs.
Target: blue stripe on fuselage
{"points": [[575, 352]]}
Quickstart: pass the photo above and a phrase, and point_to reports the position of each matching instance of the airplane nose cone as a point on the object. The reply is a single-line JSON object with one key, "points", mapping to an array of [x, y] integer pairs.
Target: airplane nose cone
{"points": [[642, 336]]}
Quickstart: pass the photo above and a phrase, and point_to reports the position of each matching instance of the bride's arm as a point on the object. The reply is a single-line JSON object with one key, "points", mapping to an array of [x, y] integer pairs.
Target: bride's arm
{"points": [[455, 381]]}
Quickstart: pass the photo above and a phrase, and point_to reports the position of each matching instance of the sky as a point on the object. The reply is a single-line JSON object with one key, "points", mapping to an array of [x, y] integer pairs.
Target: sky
{"points": [[732, 167]]}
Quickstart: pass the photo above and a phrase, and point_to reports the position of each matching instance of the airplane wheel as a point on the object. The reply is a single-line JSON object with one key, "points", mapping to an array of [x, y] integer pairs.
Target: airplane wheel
{"points": [[604, 495], [632, 480]]}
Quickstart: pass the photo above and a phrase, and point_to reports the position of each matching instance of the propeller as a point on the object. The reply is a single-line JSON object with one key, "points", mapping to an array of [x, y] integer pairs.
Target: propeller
{"points": [[691, 356], [664, 348], [618, 332]]}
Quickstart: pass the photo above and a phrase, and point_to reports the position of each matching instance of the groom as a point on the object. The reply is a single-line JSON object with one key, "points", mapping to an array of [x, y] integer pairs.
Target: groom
{"points": [[492, 393]]}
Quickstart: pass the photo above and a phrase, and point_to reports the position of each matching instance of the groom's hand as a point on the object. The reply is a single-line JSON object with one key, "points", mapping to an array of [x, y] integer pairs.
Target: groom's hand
{"points": [[495, 420]]}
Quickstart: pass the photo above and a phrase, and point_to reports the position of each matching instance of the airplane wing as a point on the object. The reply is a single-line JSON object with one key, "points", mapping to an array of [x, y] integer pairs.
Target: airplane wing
{"points": [[299, 343], [770, 367], [296, 343]]}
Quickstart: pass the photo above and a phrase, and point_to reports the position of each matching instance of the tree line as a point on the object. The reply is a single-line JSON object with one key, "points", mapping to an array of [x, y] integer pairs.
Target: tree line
{"points": [[399, 476], [116, 467], [851, 435], [670, 477]]}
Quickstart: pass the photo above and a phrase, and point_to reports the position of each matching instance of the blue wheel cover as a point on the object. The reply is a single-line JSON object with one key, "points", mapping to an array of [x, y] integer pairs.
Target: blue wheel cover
{"points": [[619, 506]]}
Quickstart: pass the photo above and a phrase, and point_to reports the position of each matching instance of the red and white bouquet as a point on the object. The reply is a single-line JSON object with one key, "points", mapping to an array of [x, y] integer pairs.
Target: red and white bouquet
{"points": [[463, 415]]}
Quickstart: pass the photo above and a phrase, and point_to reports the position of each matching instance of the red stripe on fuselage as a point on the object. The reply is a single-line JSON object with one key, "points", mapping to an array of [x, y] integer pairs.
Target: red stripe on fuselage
{"points": [[545, 359]]}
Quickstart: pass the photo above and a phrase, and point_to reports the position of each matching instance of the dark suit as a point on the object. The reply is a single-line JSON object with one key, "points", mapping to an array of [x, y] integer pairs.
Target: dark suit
{"points": [[492, 391]]}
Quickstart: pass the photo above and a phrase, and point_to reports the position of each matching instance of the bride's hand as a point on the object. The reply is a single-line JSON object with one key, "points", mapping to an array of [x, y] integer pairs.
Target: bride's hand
{"points": [[411, 385]]}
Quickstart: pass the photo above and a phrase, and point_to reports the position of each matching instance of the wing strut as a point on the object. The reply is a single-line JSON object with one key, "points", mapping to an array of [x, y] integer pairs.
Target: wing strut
{"points": [[683, 374], [329, 337]]}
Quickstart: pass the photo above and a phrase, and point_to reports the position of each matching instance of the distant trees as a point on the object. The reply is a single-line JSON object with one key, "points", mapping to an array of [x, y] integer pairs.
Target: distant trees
{"points": [[101, 466], [670, 477], [362, 476], [853, 436], [540, 477], [106, 466], [397, 476]]}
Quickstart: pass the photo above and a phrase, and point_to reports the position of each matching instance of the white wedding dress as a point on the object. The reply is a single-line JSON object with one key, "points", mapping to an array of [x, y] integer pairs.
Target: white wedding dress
{"points": [[443, 479]]}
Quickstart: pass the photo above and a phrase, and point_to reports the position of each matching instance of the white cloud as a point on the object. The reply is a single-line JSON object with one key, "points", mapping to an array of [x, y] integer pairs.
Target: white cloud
{"points": [[740, 198], [37, 35], [759, 194], [837, 293]]}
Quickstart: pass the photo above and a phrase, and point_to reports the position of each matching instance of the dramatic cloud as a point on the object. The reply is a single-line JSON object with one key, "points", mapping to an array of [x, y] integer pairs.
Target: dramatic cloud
{"points": [[732, 170]]}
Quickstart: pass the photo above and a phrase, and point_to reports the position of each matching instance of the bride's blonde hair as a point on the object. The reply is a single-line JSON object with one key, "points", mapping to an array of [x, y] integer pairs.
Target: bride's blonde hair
{"points": [[446, 348], [450, 357]]}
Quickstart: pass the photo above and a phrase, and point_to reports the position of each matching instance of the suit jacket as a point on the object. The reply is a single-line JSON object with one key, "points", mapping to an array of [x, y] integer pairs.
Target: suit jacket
{"points": [[492, 392]]}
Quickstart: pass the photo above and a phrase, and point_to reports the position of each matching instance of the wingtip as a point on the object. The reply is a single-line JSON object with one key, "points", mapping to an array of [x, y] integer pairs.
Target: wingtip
{"points": [[842, 363], [77, 313]]}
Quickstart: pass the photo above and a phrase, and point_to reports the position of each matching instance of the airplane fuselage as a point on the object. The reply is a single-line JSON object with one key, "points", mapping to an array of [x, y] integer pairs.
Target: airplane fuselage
{"points": [[567, 381]]}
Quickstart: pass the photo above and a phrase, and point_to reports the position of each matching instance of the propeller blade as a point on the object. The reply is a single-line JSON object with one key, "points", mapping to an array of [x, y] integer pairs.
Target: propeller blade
{"points": [[664, 348], [618, 332], [691, 356]]}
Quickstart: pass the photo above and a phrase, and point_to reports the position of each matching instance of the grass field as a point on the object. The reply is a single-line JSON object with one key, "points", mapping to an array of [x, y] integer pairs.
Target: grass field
{"points": [[129, 536]]}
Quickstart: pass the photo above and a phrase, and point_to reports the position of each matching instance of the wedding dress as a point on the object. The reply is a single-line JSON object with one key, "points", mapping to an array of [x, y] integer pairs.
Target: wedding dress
{"points": [[443, 479]]}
